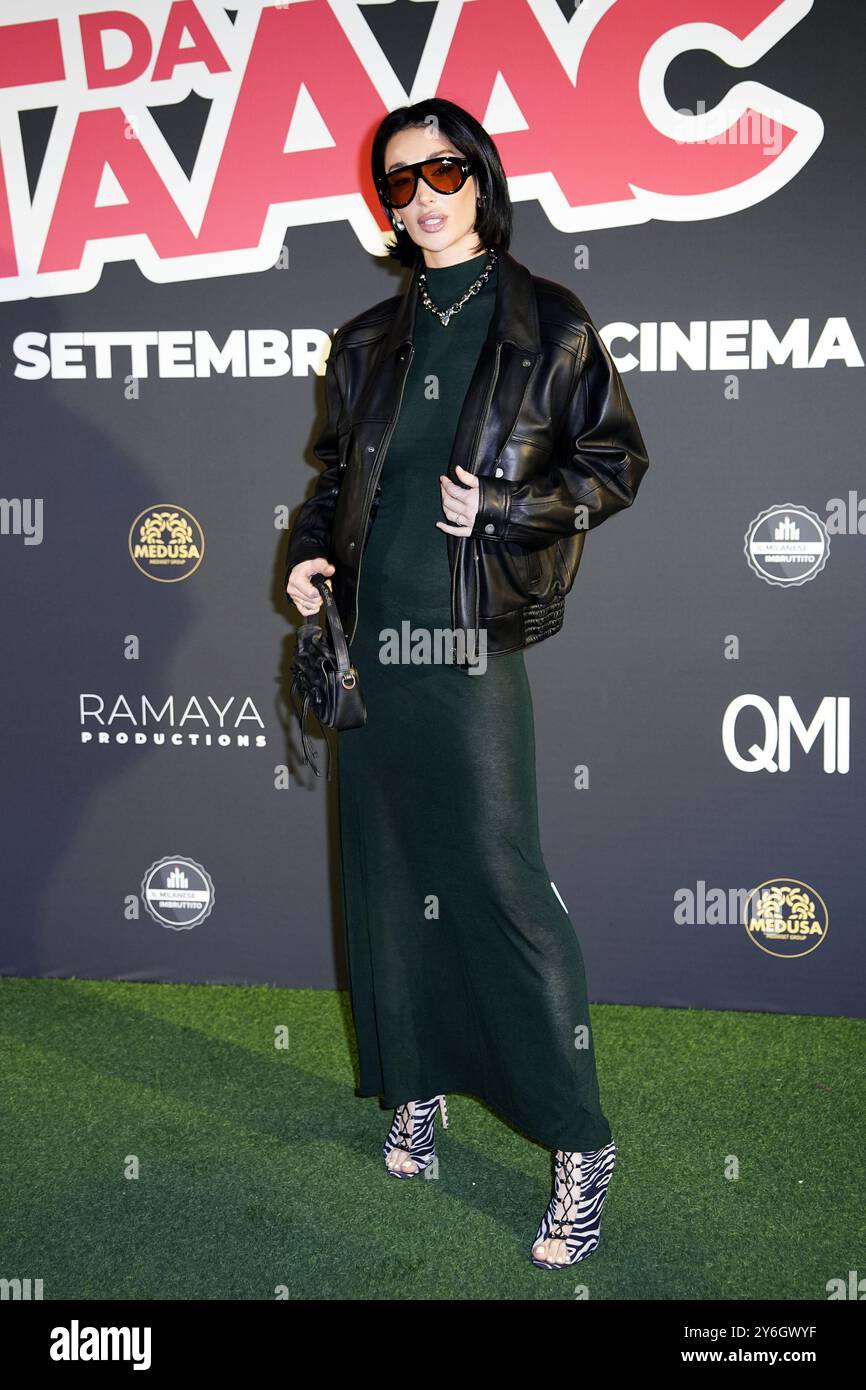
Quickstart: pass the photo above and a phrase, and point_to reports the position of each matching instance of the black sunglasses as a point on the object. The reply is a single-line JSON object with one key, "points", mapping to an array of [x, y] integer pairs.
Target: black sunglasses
{"points": [[445, 174]]}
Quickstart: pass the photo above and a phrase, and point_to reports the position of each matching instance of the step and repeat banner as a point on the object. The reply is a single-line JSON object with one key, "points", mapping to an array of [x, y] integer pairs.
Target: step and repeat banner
{"points": [[186, 217]]}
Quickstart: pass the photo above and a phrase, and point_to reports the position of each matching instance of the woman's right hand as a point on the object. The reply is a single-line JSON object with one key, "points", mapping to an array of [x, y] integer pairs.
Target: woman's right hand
{"points": [[303, 594]]}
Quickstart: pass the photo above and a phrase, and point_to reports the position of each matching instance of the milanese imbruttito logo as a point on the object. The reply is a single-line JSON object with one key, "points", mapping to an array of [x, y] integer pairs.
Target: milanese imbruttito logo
{"points": [[166, 543], [178, 892], [787, 544]]}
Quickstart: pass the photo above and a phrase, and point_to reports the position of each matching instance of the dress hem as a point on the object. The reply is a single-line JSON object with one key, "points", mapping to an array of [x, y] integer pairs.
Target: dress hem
{"points": [[582, 1146]]}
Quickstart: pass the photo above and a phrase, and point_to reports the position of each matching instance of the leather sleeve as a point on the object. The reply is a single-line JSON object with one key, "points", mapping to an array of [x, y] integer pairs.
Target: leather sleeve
{"points": [[599, 464], [311, 533]]}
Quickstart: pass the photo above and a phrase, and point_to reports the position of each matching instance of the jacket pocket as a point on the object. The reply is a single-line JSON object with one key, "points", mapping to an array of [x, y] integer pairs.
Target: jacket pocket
{"points": [[535, 572], [529, 565]]}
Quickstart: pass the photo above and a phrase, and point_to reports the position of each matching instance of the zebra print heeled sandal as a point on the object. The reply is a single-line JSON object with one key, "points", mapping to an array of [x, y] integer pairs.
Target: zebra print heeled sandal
{"points": [[574, 1211], [416, 1138]]}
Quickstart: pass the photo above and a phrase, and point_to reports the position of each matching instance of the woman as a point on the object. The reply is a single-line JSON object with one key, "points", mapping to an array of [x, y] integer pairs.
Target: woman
{"points": [[465, 972]]}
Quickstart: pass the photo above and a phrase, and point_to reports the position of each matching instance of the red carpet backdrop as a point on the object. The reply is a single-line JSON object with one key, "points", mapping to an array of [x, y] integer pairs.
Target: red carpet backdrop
{"points": [[186, 217]]}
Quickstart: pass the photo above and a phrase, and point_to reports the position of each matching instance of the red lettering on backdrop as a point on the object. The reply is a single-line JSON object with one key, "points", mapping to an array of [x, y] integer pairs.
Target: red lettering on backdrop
{"points": [[185, 18], [92, 28], [100, 139], [302, 43], [594, 136], [31, 53], [8, 259]]}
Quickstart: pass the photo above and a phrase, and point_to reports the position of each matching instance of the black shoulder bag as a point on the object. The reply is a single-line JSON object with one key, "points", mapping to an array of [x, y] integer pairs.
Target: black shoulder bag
{"points": [[323, 675]]}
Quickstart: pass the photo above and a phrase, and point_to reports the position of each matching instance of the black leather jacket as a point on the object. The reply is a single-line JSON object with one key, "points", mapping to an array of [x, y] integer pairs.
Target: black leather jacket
{"points": [[546, 425]]}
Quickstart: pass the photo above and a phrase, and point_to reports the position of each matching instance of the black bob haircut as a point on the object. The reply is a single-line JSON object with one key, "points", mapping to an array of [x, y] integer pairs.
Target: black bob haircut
{"points": [[494, 221]]}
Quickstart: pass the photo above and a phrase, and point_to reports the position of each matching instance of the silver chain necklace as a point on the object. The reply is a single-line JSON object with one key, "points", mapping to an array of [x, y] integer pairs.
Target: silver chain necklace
{"points": [[446, 314]]}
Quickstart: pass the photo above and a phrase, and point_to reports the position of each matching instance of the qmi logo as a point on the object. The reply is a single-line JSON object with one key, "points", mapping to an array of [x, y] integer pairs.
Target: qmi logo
{"points": [[832, 720]]}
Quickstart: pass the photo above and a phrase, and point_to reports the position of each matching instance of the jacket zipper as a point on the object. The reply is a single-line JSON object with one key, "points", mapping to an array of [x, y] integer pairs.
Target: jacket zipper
{"points": [[477, 603], [371, 487], [464, 539]]}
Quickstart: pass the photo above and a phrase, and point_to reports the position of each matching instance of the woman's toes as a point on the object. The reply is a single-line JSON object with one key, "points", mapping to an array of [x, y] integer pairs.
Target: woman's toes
{"points": [[553, 1251], [397, 1160]]}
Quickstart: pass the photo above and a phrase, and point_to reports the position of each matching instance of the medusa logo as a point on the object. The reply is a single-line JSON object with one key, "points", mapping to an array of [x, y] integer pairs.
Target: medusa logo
{"points": [[785, 917], [166, 543]]}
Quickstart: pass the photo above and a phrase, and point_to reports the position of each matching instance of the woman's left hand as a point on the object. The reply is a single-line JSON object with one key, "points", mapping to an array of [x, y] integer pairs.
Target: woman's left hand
{"points": [[460, 504]]}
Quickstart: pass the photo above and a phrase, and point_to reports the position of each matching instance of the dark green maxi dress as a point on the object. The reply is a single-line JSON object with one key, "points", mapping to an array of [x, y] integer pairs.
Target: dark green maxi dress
{"points": [[465, 972]]}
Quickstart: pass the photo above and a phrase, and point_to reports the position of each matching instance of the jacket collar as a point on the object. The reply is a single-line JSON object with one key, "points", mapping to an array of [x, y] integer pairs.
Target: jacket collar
{"points": [[514, 318]]}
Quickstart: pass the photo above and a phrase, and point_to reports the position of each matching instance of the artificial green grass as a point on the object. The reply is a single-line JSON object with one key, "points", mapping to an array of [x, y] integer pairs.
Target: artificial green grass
{"points": [[260, 1173]]}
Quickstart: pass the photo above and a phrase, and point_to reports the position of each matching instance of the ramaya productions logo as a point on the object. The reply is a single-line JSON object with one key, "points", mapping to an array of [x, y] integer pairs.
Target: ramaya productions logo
{"points": [[787, 545], [137, 720], [178, 892], [166, 543], [785, 917]]}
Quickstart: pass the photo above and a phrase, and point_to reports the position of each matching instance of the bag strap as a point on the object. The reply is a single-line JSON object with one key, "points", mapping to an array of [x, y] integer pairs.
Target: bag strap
{"points": [[338, 637]]}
